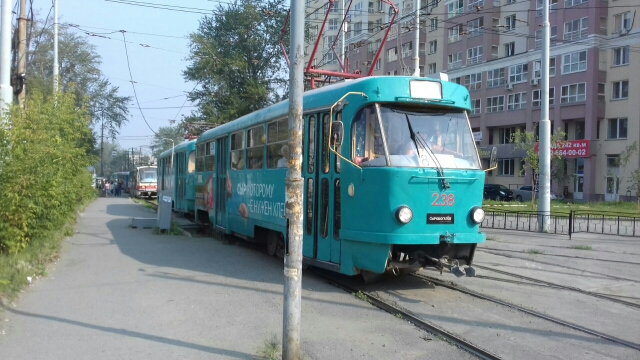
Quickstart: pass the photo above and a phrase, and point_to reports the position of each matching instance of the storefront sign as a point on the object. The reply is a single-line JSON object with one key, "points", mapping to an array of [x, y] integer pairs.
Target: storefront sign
{"points": [[571, 149], [485, 152], [477, 136]]}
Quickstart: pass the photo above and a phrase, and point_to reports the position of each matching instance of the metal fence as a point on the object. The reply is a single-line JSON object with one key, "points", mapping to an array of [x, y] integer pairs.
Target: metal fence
{"points": [[607, 223]]}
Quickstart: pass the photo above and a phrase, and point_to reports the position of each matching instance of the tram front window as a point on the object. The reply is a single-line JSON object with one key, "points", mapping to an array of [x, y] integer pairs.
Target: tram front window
{"points": [[413, 137], [148, 176]]}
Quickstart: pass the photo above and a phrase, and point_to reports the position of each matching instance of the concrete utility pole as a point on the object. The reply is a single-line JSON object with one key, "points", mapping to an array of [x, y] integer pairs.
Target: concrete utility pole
{"points": [[544, 152], [416, 42], [6, 92], [342, 32], [102, 145], [22, 53], [294, 193], [55, 46]]}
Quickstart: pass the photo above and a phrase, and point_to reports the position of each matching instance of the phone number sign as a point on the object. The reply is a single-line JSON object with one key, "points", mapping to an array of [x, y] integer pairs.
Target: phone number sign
{"points": [[571, 149]]}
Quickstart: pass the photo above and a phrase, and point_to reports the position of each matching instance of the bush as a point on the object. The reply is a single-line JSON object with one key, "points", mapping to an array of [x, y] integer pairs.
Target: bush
{"points": [[43, 162]]}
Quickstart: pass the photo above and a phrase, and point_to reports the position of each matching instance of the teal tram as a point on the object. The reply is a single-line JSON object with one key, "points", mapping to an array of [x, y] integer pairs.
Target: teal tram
{"points": [[392, 177], [176, 175]]}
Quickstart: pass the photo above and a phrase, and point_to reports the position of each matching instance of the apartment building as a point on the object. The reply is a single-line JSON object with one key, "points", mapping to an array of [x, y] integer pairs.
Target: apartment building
{"points": [[493, 47]]}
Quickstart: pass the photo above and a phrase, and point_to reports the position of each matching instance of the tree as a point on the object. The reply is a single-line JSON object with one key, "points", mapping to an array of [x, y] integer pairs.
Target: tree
{"points": [[634, 184], [619, 169], [526, 141], [79, 72], [237, 61], [158, 144]]}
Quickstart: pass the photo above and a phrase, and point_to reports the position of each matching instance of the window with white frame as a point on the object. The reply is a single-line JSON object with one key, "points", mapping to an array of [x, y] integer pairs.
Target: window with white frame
{"points": [[537, 68], [475, 5], [406, 49], [474, 27], [434, 23], [517, 101], [510, 22], [455, 8], [433, 46], [328, 41], [510, 49], [518, 73], [432, 68], [378, 64], [333, 24], [454, 60], [392, 54], [506, 167], [454, 33], [553, 37], [357, 7], [602, 91], [617, 129], [620, 56], [495, 104], [552, 6], [495, 78], [474, 55], [473, 81], [620, 90], [536, 97], [570, 3], [574, 62], [475, 106], [573, 93], [576, 29], [622, 22]]}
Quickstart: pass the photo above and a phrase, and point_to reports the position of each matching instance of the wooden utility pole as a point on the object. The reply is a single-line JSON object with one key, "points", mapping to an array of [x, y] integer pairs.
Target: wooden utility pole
{"points": [[22, 53]]}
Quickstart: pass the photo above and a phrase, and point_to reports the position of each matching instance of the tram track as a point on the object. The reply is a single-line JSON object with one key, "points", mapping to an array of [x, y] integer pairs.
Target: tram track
{"points": [[454, 287]]}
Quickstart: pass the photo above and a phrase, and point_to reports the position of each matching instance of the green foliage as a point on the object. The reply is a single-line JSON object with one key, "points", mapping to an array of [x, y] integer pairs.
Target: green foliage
{"points": [[43, 161], [270, 350], [237, 61], [159, 144], [634, 184]]}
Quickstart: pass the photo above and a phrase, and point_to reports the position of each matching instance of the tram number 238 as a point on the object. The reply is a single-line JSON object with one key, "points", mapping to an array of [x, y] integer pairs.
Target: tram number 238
{"points": [[442, 199]]}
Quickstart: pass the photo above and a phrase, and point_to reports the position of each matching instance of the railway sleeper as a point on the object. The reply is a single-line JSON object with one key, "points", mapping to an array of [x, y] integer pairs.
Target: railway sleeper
{"points": [[405, 259]]}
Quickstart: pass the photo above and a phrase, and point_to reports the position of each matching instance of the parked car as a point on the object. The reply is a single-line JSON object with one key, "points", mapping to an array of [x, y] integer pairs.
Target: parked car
{"points": [[524, 194], [497, 192]]}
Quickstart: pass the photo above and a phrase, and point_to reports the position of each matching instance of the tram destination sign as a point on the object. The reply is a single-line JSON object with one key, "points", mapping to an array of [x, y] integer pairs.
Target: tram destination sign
{"points": [[570, 149], [439, 218]]}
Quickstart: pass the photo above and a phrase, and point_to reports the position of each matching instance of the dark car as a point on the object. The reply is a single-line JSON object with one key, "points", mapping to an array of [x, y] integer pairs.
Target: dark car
{"points": [[497, 192]]}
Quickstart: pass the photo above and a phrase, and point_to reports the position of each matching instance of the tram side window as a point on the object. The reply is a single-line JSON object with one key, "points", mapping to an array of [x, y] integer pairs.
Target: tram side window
{"points": [[192, 162], [367, 136], [277, 148], [337, 167], [210, 157], [200, 157], [237, 150], [311, 151], [325, 143], [255, 147]]}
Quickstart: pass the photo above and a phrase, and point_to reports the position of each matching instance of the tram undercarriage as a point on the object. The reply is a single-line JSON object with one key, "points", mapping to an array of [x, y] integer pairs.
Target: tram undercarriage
{"points": [[410, 258]]}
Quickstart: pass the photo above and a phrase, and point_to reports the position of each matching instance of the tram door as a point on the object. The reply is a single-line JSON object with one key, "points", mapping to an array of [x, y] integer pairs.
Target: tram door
{"points": [[181, 185], [220, 192], [322, 188]]}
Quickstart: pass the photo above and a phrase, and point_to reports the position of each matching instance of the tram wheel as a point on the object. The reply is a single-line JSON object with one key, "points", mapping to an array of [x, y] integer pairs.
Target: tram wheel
{"points": [[272, 243]]}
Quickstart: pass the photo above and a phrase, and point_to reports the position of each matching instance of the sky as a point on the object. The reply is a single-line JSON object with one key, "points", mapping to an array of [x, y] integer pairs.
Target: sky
{"points": [[156, 70]]}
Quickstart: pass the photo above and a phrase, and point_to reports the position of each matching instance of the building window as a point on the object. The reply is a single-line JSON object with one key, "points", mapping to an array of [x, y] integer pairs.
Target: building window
{"points": [[432, 68], [475, 5], [510, 49], [537, 68], [621, 56], [495, 104], [617, 129], [518, 73], [434, 24], [510, 22], [475, 107], [570, 3], [455, 8], [620, 90], [506, 167], [622, 23], [406, 49], [536, 97], [433, 46], [474, 27], [473, 81], [552, 37], [601, 92], [474, 55], [454, 60], [505, 135], [392, 54], [576, 29], [552, 5], [517, 101], [574, 62], [454, 33], [573, 93], [333, 24], [579, 131], [495, 78], [378, 64]]}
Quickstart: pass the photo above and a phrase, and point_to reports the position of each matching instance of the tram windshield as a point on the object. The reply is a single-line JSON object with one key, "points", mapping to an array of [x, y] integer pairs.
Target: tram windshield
{"points": [[413, 137], [148, 176]]}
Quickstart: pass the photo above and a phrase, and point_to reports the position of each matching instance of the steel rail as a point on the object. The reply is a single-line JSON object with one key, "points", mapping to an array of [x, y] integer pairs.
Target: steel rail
{"points": [[527, 311]]}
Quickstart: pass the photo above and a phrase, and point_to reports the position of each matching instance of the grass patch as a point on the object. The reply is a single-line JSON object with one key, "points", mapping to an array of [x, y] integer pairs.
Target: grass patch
{"points": [[173, 230], [153, 205], [399, 316], [534, 251], [491, 238], [32, 261], [563, 208], [360, 295], [582, 247], [270, 350]]}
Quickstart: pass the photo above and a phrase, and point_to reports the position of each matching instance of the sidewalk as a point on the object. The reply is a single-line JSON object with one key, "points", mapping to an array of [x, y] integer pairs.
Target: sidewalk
{"points": [[122, 293]]}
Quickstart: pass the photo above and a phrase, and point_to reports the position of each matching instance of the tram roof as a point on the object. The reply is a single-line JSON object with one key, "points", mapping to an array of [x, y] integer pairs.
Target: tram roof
{"points": [[183, 146], [382, 89]]}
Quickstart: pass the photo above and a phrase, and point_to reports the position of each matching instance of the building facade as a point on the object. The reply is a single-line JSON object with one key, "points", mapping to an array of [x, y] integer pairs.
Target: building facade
{"points": [[493, 47]]}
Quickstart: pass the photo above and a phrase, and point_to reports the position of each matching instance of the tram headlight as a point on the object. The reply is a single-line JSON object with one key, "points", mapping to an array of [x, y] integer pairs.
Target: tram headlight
{"points": [[477, 214], [404, 214]]}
